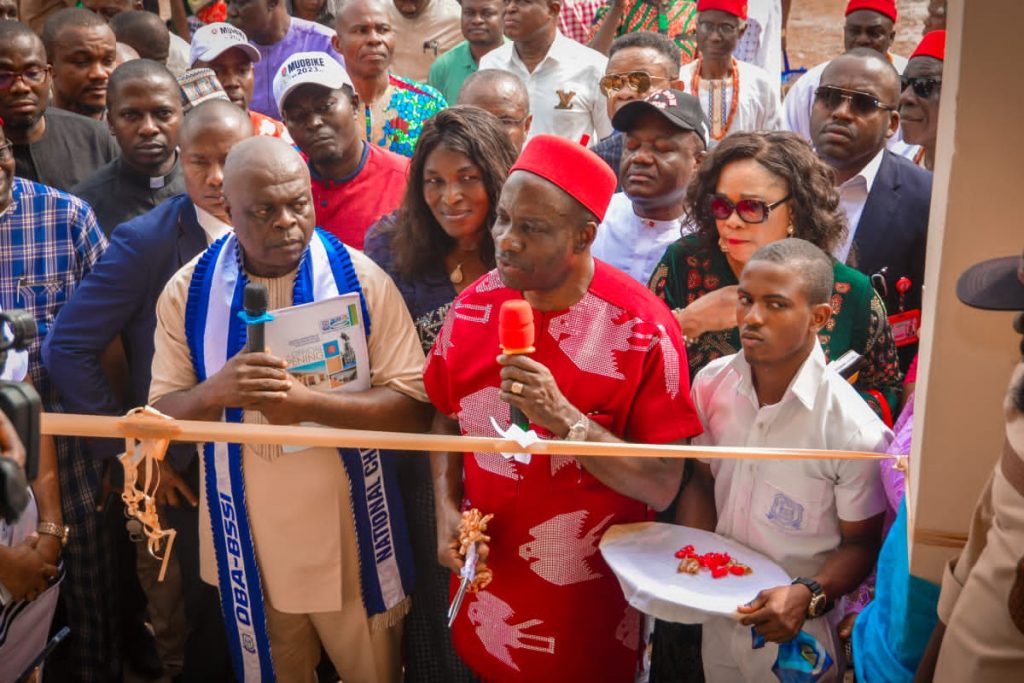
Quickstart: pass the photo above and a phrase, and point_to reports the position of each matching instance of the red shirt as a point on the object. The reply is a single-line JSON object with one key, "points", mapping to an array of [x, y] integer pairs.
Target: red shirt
{"points": [[264, 125], [554, 611], [347, 207]]}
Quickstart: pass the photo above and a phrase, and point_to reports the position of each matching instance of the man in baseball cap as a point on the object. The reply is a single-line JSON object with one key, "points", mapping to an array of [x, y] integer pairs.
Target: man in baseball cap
{"points": [[666, 137], [226, 50], [980, 633], [354, 183]]}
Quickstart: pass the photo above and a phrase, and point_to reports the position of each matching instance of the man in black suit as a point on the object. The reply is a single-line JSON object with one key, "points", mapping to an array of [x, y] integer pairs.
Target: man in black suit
{"points": [[886, 197], [118, 301]]}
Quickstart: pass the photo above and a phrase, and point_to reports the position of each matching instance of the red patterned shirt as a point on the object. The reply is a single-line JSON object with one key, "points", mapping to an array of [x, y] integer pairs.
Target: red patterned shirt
{"points": [[554, 611]]}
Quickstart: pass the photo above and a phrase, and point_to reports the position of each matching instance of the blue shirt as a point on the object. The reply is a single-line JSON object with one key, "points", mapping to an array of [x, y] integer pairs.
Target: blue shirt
{"points": [[49, 241]]}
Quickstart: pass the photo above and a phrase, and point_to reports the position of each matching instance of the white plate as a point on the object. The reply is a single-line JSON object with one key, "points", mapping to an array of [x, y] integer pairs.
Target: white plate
{"points": [[643, 558]]}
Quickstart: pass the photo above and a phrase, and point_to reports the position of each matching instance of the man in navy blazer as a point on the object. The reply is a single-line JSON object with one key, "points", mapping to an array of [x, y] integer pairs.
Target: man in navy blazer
{"points": [[886, 197], [117, 302]]}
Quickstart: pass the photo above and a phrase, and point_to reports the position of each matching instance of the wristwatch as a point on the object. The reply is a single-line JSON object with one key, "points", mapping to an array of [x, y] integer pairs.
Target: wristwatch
{"points": [[54, 529], [578, 431], [819, 601]]}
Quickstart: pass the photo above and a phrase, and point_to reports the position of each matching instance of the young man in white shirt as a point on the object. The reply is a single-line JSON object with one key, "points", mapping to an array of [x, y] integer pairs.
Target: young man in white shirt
{"points": [[561, 75], [821, 520], [666, 137]]}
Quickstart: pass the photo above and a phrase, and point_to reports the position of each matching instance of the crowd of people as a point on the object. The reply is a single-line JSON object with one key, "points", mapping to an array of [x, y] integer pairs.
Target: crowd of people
{"points": [[711, 257]]}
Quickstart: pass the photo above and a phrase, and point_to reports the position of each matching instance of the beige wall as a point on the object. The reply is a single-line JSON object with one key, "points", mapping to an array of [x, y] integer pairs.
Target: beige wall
{"points": [[977, 212]]}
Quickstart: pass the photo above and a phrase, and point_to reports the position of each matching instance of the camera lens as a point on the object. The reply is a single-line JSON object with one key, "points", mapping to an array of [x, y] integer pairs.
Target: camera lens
{"points": [[20, 330]]}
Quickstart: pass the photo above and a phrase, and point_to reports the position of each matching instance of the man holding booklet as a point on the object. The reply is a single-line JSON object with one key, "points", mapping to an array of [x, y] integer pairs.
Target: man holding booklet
{"points": [[333, 565]]}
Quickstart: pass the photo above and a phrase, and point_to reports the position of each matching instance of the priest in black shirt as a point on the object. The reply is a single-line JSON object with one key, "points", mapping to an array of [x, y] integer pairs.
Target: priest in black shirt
{"points": [[144, 113], [51, 146]]}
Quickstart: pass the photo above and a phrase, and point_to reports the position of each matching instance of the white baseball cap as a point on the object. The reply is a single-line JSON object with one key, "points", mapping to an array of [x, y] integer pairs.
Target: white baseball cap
{"points": [[213, 40], [308, 67]]}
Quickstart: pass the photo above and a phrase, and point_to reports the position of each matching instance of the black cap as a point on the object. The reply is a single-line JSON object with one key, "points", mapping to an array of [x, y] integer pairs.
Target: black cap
{"points": [[995, 285], [682, 111]]}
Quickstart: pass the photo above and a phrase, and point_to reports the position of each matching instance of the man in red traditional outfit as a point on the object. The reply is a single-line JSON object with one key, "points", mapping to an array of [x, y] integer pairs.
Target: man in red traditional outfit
{"points": [[610, 366]]}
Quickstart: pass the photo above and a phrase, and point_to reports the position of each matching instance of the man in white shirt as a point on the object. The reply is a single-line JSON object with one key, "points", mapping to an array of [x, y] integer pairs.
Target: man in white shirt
{"points": [[869, 23], [736, 96], [428, 28], [561, 75], [665, 141], [820, 520]]}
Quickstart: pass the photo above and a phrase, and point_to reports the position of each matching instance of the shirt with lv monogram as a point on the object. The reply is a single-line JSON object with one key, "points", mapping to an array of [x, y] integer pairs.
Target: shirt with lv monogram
{"points": [[564, 96]]}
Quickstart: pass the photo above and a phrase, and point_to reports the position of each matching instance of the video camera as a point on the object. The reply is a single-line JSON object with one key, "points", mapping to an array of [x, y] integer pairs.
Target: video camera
{"points": [[22, 406]]}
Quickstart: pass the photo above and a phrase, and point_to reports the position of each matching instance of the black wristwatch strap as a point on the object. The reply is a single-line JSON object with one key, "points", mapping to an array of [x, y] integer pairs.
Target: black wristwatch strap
{"points": [[813, 585]]}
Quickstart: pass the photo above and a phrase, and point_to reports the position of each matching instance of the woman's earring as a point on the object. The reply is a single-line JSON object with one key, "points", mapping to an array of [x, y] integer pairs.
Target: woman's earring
{"points": [[790, 230], [723, 245]]}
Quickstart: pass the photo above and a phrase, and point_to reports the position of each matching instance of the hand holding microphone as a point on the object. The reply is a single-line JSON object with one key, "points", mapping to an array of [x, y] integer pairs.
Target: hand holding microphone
{"points": [[516, 336]]}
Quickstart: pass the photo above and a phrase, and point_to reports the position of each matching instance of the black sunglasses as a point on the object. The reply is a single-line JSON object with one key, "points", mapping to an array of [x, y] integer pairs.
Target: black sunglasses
{"points": [[861, 103], [924, 87], [749, 210]]}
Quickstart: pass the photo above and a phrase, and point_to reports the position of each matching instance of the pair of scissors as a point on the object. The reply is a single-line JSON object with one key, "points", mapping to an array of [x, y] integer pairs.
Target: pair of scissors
{"points": [[468, 573]]}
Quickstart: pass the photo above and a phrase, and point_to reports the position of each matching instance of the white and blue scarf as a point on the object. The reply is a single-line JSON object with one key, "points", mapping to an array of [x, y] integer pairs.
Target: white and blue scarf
{"points": [[215, 333]]}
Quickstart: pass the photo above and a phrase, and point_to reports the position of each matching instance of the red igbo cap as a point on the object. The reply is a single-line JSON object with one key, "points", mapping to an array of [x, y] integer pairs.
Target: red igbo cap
{"points": [[884, 7], [932, 45], [576, 170], [735, 7]]}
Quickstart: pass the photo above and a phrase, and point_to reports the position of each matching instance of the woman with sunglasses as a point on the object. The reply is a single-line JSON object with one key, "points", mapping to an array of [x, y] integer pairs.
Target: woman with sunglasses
{"points": [[754, 189], [435, 245]]}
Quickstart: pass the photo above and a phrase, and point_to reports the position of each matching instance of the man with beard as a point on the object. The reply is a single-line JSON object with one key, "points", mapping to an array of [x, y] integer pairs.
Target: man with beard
{"points": [[561, 75], [481, 26], [51, 146], [354, 183], [82, 52], [980, 633], [429, 29], [144, 116], [554, 611], [666, 139]]}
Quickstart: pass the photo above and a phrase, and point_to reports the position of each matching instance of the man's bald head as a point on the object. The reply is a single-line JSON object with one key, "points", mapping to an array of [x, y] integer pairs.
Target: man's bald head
{"points": [[269, 200], [504, 95], [210, 131], [144, 31], [494, 81], [873, 66], [215, 116], [261, 157]]}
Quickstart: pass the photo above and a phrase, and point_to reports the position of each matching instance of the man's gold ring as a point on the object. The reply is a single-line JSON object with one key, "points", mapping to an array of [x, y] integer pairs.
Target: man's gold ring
{"points": [[517, 388]]}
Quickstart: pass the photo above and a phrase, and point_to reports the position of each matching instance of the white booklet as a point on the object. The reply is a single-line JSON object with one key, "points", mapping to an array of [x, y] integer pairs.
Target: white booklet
{"points": [[324, 344]]}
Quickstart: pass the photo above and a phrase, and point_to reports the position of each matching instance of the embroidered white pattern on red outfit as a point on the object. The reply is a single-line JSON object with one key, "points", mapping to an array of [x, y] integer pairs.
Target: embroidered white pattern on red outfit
{"points": [[475, 412], [490, 615], [560, 552], [589, 335]]}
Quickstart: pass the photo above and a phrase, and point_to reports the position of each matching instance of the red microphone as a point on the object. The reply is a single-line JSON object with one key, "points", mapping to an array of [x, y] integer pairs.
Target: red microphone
{"points": [[516, 335]]}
